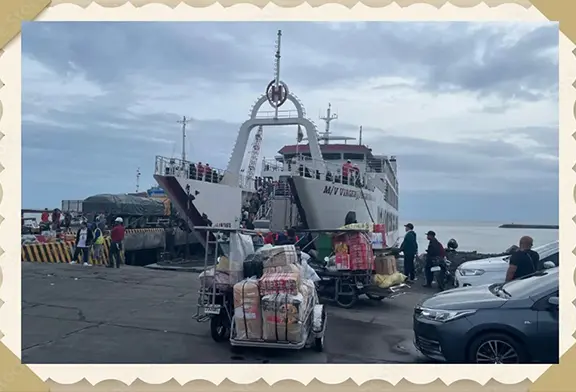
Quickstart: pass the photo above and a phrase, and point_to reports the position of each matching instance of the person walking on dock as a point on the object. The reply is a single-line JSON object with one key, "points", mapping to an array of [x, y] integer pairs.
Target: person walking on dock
{"points": [[434, 252], [410, 249], [117, 236], [524, 261], [84, 237]]}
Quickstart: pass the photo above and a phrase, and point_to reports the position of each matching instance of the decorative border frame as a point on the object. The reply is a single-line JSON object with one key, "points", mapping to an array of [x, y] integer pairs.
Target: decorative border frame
{"points": [[15, 376]]}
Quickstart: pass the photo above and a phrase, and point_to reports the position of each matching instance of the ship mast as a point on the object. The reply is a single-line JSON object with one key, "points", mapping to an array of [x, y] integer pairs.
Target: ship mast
{"points": [[277, 69], [327, 119], [184, 122], [138, 180]]}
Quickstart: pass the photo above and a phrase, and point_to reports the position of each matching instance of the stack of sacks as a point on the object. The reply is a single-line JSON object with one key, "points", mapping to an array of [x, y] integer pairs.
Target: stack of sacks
{"points": [[274, 307], [287, 295], [247, 310]]}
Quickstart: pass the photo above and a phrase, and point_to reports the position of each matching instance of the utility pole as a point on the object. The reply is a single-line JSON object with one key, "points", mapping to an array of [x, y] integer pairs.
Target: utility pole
{"points": [[360, 139], [184, 122], [138, 180]]}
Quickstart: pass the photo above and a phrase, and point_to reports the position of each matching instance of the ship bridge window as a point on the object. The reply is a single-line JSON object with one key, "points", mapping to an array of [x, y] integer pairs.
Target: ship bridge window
{"points": [[332, 156], [352, 156]]}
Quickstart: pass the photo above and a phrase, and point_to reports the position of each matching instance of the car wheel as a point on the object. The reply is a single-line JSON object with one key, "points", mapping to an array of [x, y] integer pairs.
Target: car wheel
{"points": [[496, 348]]}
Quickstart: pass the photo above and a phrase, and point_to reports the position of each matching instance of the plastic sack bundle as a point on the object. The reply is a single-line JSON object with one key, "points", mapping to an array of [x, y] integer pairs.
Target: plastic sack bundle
{"points": [[278, 256], [208, 278], [308, 272], [253, 266], [385, 281], [247, 313]]}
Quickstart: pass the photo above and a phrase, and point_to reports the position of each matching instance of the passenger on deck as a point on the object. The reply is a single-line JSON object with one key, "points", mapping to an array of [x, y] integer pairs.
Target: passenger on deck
{"points": [[192, 171], [346, 170], [208, 173], [329, 176], [200, 170]]}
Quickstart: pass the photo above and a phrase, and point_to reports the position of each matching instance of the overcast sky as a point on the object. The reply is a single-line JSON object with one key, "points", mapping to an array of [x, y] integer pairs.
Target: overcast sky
{"points": [[469, 109]]}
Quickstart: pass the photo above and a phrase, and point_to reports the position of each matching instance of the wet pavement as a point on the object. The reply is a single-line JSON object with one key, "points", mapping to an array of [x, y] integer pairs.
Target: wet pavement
{"points": [[76, 314]]}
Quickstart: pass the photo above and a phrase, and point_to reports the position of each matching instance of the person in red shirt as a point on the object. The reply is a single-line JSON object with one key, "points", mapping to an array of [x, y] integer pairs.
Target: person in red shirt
{"points": [[200, 170], [346, 168], [117, 236], [45, 216], [270, 237]]}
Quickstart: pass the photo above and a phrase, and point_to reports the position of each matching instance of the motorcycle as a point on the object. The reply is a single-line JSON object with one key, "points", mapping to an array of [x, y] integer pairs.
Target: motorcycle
{"points": [[442, 275]]}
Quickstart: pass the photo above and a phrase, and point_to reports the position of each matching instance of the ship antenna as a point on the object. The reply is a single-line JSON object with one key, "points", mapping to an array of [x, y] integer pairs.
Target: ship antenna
{"points": [[360, 138], [277, 69], [329, 117], [184, 122], [138, 180]]}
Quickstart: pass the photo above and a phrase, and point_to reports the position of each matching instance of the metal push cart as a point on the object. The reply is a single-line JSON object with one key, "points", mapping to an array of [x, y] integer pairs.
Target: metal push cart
{"points": [[344, 286], [216, 301]]}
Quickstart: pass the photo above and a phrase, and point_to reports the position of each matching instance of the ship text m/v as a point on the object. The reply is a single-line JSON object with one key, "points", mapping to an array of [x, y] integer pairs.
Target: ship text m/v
{"points": [[334, 190]]}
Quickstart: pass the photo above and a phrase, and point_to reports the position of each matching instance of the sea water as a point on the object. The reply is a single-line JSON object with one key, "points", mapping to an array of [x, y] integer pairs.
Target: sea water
{"points": [[483, 237]]}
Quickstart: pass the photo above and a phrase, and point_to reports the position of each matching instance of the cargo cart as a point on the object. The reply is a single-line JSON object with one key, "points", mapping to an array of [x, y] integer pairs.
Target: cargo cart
{"points": [[344, 286], [216, 301]]}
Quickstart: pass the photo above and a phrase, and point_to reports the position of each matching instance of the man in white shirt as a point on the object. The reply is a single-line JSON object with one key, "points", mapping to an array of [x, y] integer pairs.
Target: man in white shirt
{"points": [[84, 238]]}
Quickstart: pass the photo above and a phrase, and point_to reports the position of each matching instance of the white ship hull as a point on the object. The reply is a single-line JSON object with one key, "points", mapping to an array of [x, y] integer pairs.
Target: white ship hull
{"points": [[325, 205]]}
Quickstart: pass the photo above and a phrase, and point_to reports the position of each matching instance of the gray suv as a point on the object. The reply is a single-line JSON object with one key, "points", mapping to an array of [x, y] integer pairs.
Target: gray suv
{"points": [[515, 322]]}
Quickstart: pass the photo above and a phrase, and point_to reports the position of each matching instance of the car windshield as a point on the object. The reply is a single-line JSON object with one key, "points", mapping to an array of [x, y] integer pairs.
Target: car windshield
{"points": [[532, 284]]}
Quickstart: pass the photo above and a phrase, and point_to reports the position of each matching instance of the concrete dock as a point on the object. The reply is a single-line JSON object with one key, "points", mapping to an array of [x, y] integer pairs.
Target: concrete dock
{"points": [[76, 314]]}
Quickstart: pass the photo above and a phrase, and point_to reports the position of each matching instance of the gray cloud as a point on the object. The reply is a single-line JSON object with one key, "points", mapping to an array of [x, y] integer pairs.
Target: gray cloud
{"points": [[478, 60], [99, 143]]}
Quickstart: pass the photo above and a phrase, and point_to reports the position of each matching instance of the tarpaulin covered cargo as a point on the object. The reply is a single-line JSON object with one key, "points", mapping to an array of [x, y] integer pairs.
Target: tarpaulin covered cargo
{"points": [[123, 205]]}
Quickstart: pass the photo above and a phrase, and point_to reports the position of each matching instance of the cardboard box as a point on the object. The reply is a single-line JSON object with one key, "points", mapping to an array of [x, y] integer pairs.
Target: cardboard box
{"points": [[342, 261], [385, 265]]}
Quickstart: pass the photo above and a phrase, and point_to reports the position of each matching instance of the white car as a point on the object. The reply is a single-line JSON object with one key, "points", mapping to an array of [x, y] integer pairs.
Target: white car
{"points": [[493, 270]]}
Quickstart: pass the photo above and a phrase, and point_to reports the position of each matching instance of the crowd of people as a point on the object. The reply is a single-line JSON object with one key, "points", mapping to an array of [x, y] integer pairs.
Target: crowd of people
{"points": [[264, 189], [523, 260], [91, 236]]}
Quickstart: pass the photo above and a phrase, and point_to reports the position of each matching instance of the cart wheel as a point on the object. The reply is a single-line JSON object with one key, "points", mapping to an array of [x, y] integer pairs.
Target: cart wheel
{"points": [[348, 299], [375, 297], [219, 328], [319, 344]]}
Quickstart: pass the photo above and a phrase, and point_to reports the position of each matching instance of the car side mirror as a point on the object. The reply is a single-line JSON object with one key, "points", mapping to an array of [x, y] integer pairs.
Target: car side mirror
{"points": [[553, 301], [548, 264]]}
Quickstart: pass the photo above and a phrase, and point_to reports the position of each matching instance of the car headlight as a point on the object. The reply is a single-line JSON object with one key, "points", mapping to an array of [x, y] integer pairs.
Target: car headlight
{"points": [[471, 272], [443, 315]]}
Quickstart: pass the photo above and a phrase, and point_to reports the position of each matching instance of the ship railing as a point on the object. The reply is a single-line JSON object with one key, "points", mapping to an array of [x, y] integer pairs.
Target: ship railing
{"points": [[281, 114], [178, 168], [272, 165], [328, 171]]}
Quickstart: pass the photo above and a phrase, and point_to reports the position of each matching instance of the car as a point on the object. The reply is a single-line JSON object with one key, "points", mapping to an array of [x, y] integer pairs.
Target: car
{"points": [[514, 322], [493, 270]]}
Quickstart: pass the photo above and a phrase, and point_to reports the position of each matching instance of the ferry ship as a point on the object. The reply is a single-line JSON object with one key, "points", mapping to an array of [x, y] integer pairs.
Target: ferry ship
{"points": [[311, 180]]}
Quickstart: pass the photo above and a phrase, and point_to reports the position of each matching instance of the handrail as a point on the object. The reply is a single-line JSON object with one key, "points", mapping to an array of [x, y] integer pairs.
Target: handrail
{"points": [[178, 168]]}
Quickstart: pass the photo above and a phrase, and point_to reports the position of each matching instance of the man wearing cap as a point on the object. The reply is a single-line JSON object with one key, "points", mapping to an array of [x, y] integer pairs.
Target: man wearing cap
{"points": [[410, 249], [435, 251]]}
